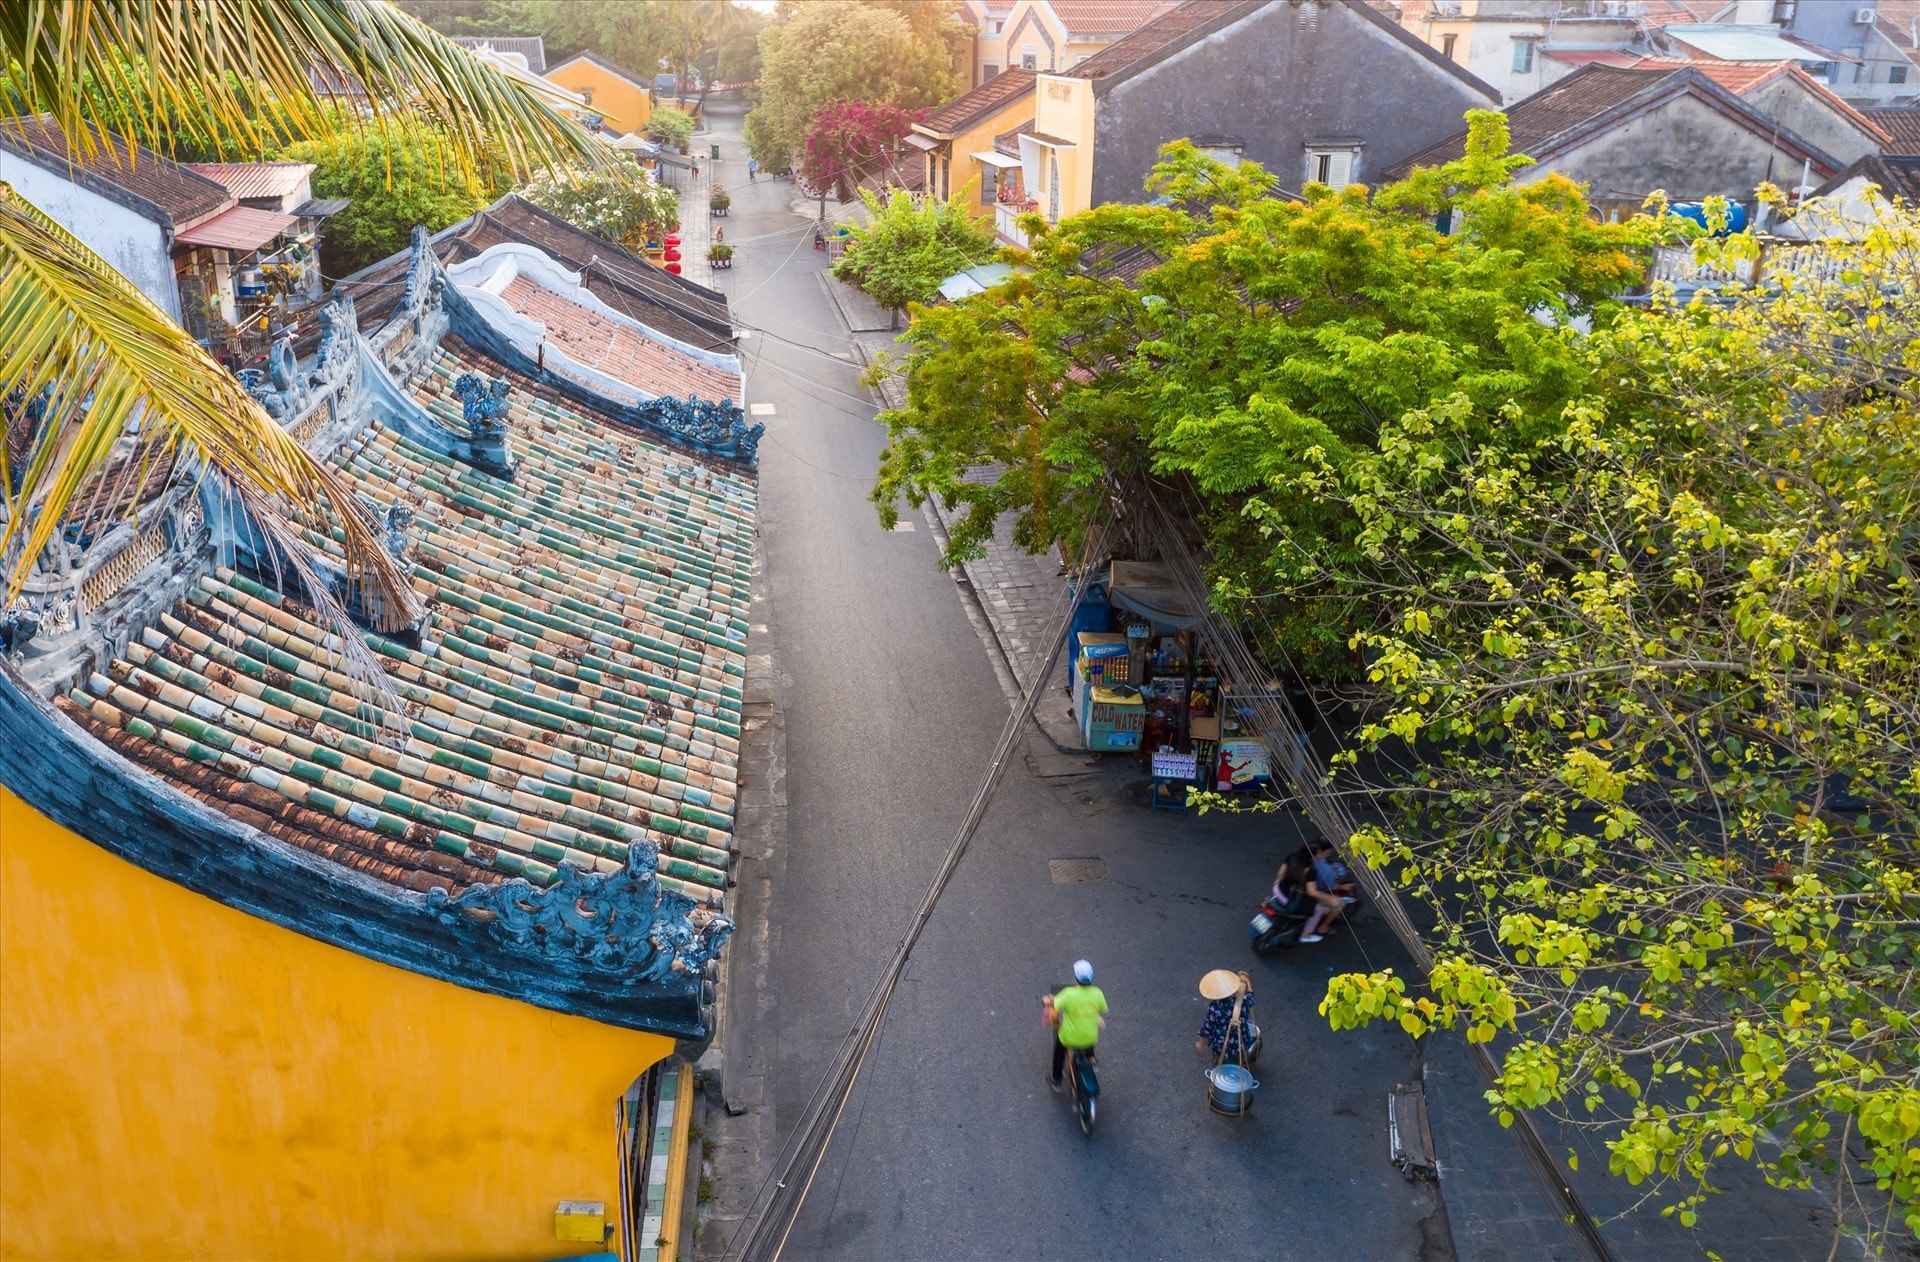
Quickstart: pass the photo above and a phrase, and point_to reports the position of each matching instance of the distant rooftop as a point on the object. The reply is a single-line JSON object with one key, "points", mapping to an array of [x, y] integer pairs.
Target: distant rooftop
{"points": [[531, 47], [158, 187]]}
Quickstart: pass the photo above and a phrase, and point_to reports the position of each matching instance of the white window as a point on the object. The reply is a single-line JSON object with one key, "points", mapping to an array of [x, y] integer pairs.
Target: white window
{"points": [[1334, 167], [1523, 56]]}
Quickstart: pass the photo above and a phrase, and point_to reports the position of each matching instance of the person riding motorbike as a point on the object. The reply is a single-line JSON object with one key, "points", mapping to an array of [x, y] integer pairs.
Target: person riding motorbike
{"points": [[1077, 1020]]}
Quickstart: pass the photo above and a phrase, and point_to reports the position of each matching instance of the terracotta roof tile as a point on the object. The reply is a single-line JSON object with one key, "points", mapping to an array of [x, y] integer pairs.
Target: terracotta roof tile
{"points": [[579, 691], [1107, 17], [1173, 27], [1901, 123], [617, 350], [1898, 177], [980, 104], [174, 194], [680, 308], [1742, 77]]}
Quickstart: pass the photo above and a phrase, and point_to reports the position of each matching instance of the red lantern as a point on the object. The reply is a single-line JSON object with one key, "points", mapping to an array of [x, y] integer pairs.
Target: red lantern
{"points": [[674, 268], [673, 238], [672, 255]]}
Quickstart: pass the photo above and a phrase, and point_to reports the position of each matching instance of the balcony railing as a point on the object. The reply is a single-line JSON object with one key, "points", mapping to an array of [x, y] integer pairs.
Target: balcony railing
{"points": [[1004, 215]]}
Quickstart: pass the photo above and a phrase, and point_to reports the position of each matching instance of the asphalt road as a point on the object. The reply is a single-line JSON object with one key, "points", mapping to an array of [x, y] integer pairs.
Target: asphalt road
{"points": [[952, 1147]]}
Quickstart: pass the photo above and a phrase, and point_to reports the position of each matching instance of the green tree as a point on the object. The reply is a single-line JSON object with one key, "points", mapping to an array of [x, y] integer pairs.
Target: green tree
{"points": [[1661, 661], [397, 178], [1263, 332], [670, 126], [903, 254], [831, 50]]}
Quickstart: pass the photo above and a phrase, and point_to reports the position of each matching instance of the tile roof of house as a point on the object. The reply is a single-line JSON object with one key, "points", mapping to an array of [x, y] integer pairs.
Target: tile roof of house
{"points": [[1107, 17], [680, 308], [580, 690], [978, 105], [1901, 123], [1897, 176], [1901, 34], [1193, 20], [532, 47], [1008, 142], [255, 179], [1668, 12], [618, 350], [1172, 29], [1742, 77], [136, 177], [1584, 102], [609, 65]]}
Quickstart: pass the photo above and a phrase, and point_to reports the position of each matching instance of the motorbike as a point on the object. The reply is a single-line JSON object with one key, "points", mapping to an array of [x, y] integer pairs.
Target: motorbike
{"points": [[1278, 924], [1083, 1087]]}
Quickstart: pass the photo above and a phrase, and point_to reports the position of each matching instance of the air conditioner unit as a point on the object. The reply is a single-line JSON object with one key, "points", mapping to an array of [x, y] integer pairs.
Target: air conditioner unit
{"points": [[1863, 17]]}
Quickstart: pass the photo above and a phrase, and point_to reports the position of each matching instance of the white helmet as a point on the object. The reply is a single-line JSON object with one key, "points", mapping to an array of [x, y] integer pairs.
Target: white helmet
{"points": [[1083, 972]]}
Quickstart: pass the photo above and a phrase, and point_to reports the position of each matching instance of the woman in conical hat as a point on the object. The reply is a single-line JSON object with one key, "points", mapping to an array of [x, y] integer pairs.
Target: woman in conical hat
{"points": [[1222, 1032]]}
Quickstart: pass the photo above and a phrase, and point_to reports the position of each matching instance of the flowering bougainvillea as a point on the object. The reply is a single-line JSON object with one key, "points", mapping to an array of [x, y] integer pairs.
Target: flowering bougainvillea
{"points": [[851, 140]]}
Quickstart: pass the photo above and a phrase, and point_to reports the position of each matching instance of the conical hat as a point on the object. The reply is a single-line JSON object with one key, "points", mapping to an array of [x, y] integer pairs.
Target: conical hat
{"points": [[1221, 983]]}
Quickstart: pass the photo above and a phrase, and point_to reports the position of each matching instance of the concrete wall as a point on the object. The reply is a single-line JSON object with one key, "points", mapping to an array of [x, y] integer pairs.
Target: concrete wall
{"points": [[134, 244], [182, 1080], [1794, 106], [1686, 147], [1278, 87]]}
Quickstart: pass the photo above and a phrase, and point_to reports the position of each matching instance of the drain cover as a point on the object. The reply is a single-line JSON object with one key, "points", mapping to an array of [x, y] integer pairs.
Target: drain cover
{"points": [[1076, 871]]}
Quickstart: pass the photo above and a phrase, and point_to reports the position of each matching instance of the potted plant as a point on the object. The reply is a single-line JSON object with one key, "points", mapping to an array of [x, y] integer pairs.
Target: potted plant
{"points": [[720, 255], [718, 201]]}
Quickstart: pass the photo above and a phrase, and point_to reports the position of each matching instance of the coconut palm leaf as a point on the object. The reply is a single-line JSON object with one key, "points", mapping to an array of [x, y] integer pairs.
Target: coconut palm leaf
{"points": [[92, 368], [166, 72]]}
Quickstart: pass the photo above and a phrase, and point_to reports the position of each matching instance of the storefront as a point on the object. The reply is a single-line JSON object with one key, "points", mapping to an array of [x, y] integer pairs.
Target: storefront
{"points": [[1145, 681]]}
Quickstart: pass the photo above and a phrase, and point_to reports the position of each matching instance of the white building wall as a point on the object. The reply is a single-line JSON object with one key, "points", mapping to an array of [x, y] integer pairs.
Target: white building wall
{"points": [[134, 244]]}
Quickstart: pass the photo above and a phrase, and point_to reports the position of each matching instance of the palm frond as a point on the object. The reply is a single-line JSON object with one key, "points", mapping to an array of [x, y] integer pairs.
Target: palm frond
{"points": [[166, 72], [107, 365]]}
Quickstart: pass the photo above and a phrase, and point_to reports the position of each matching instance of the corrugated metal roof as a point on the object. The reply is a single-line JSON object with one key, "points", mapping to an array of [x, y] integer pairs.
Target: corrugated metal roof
{"points": [[242, 228], [256, 179], [1740, 43]]}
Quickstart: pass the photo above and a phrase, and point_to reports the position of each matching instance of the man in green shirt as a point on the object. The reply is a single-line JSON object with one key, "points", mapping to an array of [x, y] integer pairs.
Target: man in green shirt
{"points": [[1077, 1012]]}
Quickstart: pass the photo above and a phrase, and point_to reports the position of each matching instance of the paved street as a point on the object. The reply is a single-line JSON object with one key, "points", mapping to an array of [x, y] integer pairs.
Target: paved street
{"points": [[952, 1147]]}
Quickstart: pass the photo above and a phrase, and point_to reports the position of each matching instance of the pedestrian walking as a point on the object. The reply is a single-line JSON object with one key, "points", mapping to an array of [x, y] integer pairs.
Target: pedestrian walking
{"points": [[719, 235], [753, 167], [1228, 1030], [696, 168]]}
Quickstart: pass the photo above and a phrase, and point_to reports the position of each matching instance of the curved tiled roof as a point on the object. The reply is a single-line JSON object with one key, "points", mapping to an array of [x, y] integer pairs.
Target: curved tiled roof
{"points": [[617, 349], [578, 692], [1901, 123], [680, 308]]}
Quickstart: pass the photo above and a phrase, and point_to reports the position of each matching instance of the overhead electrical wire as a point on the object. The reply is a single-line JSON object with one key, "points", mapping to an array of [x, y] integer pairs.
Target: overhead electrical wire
{"points": [[771, 1215]]}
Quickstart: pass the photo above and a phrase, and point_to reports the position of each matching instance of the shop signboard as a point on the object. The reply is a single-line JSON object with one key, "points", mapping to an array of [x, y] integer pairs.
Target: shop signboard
{"points": [[1242, 764]]}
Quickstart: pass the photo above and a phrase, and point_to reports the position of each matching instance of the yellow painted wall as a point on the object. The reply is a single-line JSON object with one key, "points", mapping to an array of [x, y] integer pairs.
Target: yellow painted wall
{"points": [[625, 107], [182, 1080], [1064, 109], [977, 139]]}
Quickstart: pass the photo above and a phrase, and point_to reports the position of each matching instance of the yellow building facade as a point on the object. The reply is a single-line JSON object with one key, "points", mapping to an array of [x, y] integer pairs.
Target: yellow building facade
{"points": [[292, 969], [958, 142], [179, 1079], [1058, 155], [621, 96]]}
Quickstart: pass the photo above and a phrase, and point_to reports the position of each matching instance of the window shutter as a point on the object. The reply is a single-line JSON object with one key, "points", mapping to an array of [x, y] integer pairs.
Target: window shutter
{"points": [[1340, 170]]}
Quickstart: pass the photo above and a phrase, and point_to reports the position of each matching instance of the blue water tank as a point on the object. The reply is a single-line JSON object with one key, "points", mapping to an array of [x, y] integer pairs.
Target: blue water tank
{"points": [[1697, 212]]}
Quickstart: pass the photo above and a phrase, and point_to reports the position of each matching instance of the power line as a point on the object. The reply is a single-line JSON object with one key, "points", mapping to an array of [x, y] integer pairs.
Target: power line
{"points": [[1306, 774], [776, 1205]]}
